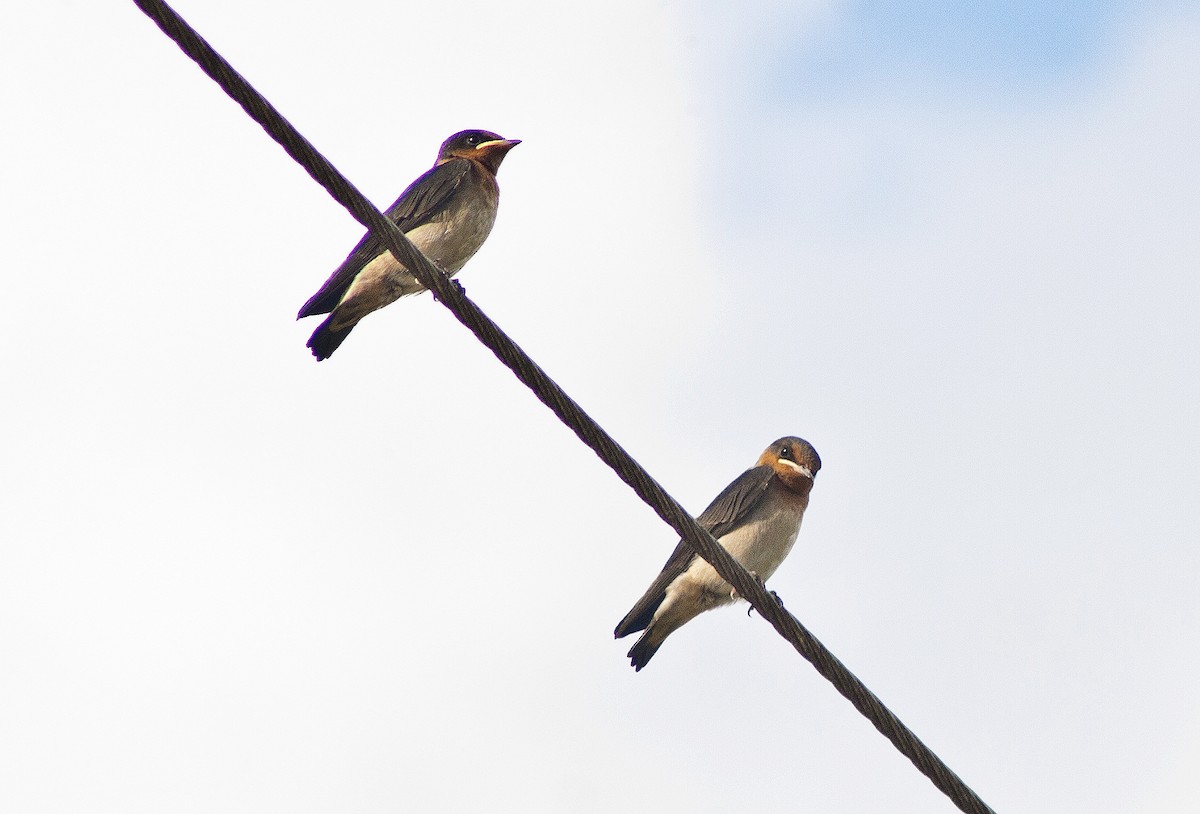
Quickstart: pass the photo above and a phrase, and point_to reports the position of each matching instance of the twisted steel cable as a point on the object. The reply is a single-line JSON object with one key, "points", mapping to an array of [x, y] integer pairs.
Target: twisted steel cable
{"points": [[450, 294]]}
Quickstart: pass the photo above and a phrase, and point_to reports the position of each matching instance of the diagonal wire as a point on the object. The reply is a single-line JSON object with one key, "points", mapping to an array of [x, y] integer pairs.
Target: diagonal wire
{"points": [[450, 294]]}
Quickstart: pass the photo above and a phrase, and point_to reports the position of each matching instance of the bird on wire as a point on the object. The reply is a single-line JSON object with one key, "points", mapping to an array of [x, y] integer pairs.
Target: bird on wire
{"points": [[756, 518], [447, 213]]}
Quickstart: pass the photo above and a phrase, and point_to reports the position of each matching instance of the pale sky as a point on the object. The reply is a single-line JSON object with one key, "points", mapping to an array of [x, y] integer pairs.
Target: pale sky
{"points": [[954, 246]]}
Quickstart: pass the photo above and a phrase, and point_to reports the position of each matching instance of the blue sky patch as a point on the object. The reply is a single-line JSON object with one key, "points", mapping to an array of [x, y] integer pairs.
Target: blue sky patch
{"points": [[982, 47]]}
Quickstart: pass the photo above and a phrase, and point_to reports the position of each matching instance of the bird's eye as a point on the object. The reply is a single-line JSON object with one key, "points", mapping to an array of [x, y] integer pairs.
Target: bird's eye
{"points": [[472, 140], [786, 452]]}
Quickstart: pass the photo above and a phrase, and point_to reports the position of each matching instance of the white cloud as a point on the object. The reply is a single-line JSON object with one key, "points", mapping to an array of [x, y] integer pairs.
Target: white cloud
{"points": [[233, 578]]}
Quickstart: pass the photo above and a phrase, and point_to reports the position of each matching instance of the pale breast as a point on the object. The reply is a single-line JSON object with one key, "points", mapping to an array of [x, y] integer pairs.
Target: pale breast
{"points": [[459, 232], [760, 545]]}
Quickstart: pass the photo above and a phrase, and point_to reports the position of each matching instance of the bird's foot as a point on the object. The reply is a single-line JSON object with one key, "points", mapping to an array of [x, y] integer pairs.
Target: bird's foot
{"points": [[733, 594], [775, 596]]}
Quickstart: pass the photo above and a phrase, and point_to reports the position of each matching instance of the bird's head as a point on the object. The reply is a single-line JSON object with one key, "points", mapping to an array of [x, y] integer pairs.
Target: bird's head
{"points": [[795, 462], [482, 146]]}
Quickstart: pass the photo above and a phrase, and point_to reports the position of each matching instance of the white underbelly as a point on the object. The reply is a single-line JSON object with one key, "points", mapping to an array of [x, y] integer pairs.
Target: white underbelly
{"points": [[760, 547]]}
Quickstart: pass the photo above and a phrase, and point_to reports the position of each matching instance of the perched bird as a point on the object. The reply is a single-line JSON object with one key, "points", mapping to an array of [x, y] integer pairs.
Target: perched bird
{"points": [[447, 213], [756, 518]]}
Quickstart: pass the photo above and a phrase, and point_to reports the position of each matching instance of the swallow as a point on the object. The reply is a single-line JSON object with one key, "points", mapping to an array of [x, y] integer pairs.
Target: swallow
{"points": [[756, 518], [447, 213]]}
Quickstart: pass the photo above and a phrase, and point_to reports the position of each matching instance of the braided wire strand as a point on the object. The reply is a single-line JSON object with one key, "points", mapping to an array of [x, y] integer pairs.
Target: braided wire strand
{"points": [[549, 393]]}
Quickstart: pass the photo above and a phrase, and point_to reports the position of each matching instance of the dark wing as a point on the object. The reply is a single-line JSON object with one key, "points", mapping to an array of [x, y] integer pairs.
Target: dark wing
{"points": [[728, 509], [722, 516], [424, 199]]}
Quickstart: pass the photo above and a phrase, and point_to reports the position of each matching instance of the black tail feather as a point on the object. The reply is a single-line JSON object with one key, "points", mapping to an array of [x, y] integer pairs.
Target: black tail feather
{"points": [[632, 624], [640, 616], [325, 340], [645, 648]]}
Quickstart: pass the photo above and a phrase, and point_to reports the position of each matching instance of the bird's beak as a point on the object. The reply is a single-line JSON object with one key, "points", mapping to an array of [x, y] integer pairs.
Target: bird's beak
{"points": [[803, 470], [501, 144]]}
